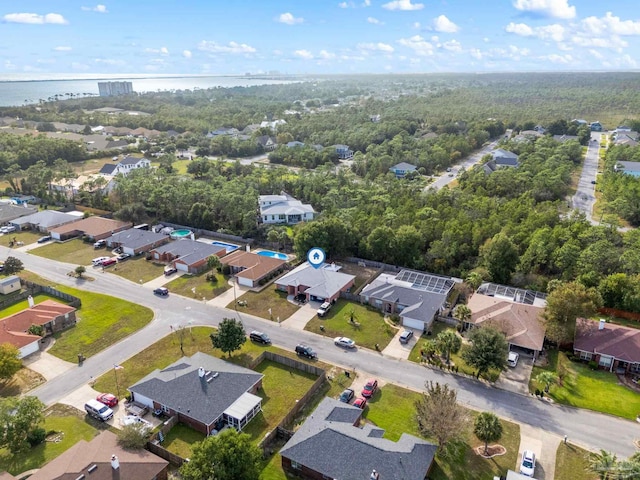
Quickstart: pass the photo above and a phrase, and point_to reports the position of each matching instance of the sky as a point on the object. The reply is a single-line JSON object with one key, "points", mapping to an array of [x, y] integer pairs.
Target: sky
{"points": [[317, 36]]}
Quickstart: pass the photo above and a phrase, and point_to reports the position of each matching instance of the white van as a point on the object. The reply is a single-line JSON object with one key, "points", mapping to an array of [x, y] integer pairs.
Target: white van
{"points": [[98, 261], [98, 410]]}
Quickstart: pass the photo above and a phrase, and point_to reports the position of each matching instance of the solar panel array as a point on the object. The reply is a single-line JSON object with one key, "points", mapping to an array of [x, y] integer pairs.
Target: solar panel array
{"points": [[426, 281]]}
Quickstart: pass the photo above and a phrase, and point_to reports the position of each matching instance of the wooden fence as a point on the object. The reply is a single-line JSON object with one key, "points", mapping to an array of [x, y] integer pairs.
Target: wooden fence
{"points": [[614, 312], [153, 445], [34, 288]]}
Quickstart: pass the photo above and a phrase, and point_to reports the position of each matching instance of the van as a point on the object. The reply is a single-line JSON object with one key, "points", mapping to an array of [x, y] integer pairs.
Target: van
{"points": [[98, 410], [100, 244], [98, 261]]}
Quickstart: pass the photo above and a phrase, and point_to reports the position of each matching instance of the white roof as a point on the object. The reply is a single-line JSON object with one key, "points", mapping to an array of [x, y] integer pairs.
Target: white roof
{"points": [[243, 406], [322, 282]]}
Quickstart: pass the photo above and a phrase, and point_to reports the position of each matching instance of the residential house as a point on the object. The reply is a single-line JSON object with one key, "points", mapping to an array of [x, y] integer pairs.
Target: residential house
{"points": [[233, 132], [129, 163], [145, 133], [9, 212], [51, 315], [504, 158], [402, 169], [42, 221], [528, 136], [135, 241], [295, 144], [579, 121], [613, 347], [626, 138], [9, 284], [540, 129], [118, 131], [515, 312], [95, 228], [205, 392], [417, 297], [250, 269], [70, 187], [23, 200], [595, 126], [330, 444], [343, 151], [317, 284], [188, 255], [273, 125], [284, 208], [99, 142], [628, 168], [101, 458], [375, 118], [267, 142]]}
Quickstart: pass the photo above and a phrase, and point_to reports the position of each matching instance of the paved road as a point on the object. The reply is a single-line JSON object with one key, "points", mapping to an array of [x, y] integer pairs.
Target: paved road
{"points": [[589, 429], [585, 196]]}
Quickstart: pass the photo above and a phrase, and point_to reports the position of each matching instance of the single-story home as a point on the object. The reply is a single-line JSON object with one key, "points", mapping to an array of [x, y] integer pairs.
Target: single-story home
{"points": [[9, 212], [43, 221], [417, 297], [9, 285], [96, 228], [249, 268], [205, 392], [614, 347], [330, 444], [101, 458], [628, 168], [188, 255], [52, 316], [284, 208], [318, 284], [402, 169], [504, 158], [135, 241], [23, 199], [515, 312]]}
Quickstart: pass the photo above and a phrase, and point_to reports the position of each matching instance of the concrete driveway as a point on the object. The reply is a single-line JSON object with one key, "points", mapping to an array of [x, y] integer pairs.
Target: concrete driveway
{"points": [[517, 379], [47, 365], [544, 445], [302, 316], [399, 350]]}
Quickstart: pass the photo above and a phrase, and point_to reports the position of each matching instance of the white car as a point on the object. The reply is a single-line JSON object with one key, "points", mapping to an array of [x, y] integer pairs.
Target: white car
{"points": [[135, 420], [344, 342], [8, 229], [98, 261], [528, 465], [324, 308], [512, 359]]}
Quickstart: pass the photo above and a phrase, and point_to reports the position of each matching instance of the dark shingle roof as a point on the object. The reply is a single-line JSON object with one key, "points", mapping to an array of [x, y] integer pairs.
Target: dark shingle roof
{"points": [[129, 160], [108, 169], [135, 238], [189, 251]]}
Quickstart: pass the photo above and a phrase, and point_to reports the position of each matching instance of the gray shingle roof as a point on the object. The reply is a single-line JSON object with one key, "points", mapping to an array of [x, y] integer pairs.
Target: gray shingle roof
{"points": [[180, 388], [108, 169], [11, 212], [129, 160], [322, 283], [340, 450], [135, 238], [45, 219], [504, 157], [189, 251], [407, 167]]}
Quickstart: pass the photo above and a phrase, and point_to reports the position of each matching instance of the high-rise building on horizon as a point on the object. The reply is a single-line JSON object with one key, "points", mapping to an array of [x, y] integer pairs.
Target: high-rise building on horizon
{"points": [[110, 89]]}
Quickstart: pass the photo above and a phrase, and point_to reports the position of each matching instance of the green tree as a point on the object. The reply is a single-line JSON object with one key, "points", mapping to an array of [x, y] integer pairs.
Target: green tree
{"points": [[487, 428], [213, 262], [546, 378], [474, 280], [462, 313], [13, 265], [133, 436], [439, 416], [227, 456], [500, 256], [565, 303], [80, 271], [488, 350], [19, 417], [10, 361], [230, 336], [448, 342], [604, 464]]}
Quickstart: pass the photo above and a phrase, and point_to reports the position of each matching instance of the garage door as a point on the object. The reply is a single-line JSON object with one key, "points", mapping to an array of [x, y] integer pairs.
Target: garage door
{"points": [[183, 267], [29, 349], [247, 282], [413, 323]]}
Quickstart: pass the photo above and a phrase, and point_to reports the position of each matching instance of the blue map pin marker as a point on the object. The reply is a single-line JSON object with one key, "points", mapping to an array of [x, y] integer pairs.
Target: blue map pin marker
{"points": [[316, 257]]}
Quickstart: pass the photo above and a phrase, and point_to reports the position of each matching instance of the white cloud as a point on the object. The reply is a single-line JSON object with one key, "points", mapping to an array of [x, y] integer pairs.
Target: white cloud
{"points": [[550, 8], [555, 32], [344, 5], [231, 47], [475, 53], [80, 66], [289, 19], [559, 59], [521, 29], [157, 51], [326, 55], [366, 3], [98, 8], [380, 47], [610, 24], [443, 24], [306, 54], [418, 44], [614, 42], [374, 21], [596, 54], [417, 25], [403, 5], [62, 49], [452, 46], [9, 65], [186, 53], [110, 61], [35, 19]]}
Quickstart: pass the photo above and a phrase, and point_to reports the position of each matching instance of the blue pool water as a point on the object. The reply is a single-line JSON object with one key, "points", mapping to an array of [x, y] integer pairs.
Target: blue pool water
{"points": [[269, 253], [229, 246], [177, 234]]}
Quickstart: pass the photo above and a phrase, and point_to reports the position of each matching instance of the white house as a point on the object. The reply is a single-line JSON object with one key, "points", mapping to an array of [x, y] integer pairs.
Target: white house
{"points": [[284, 208]]}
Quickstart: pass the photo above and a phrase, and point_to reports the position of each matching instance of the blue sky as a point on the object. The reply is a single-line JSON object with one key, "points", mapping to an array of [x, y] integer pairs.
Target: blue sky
{"points": [[317, 36]]}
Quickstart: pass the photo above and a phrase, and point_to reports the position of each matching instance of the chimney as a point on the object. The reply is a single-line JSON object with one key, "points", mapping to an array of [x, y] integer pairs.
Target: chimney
{"points": [[115, 464], [601, 324], [201, 372], [374, 475]]}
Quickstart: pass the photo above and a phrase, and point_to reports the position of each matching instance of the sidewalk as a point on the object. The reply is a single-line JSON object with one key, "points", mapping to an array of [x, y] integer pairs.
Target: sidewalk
{"points": [[228, 296]]}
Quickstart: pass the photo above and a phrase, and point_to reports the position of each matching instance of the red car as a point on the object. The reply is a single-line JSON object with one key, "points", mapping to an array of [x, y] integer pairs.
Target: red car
{"points": [[370, 388], [361, 403], [109, 399]]}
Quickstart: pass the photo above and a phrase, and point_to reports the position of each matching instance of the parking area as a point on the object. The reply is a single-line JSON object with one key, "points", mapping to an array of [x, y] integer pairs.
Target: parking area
{"points": [[516, 379], [544, 445], [396, 349]]}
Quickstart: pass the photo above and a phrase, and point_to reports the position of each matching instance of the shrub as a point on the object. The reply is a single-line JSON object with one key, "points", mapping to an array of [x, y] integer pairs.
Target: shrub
{"points": [[226, 270], [395, 319], [593, 365], [36, 436], [36, 330]]}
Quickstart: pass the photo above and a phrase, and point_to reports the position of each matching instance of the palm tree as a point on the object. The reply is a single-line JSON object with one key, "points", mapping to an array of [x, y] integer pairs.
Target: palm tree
{"points": [[462, 313], [487, 428], [474, 280], [351, 316], [604, 464], [546, 378], [448, 342]]}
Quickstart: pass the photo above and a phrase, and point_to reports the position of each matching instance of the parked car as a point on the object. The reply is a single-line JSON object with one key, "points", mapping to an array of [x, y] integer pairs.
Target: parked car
{"points": [[100, 244], [44, 239], [528, 465], [405, 336], [162, 291], [370, 388], [169, 270], [512, 359], [135, 420], [123, 256], [260, 337], [306, 351], [98, 261], [98, 410], [324, 308], [593, 182], [7, 229], [361, 403], [107, 262], [346, 395], [109, 399], [344, 342]]}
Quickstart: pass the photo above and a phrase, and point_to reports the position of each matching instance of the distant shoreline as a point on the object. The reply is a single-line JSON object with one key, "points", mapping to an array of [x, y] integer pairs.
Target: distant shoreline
{"points": [[4, 79]]}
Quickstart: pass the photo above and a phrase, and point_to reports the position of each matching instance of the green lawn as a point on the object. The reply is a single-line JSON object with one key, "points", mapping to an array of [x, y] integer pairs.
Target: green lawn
{"points": [[180, 439], [582, 387], [24, 304], [185, 284], [73, 251], [26, 236], [571, 463], [137, 269], [372, 328], [259, 303], [59, 419], [103, 321]]}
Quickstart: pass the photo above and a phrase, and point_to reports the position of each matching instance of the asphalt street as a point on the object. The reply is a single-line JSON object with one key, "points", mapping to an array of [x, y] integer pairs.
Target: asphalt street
{"points": [[589, 429], [585, 196]]}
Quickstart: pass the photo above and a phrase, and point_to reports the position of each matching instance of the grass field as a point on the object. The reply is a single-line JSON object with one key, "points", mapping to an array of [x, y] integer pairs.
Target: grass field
{"points": [[23, 305], [185, 284], [258, 304], [571, 463], [180, 440], [369, 329], [137, 269], [26, 236], [74, 251]]}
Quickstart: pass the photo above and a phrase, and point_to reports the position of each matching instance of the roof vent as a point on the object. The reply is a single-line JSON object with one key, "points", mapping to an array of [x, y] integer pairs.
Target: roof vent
{"points": [[201, 372], [601, 324], [92, 468], [115, 463]]}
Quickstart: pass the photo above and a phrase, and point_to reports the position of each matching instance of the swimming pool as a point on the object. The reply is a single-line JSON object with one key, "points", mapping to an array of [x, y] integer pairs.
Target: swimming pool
{"points": [[272, 254], [177, 234], [229, 246]]}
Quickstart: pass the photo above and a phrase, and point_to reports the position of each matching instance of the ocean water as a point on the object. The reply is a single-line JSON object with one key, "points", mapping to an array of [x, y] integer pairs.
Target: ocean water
{"points": [[19, 89]]}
